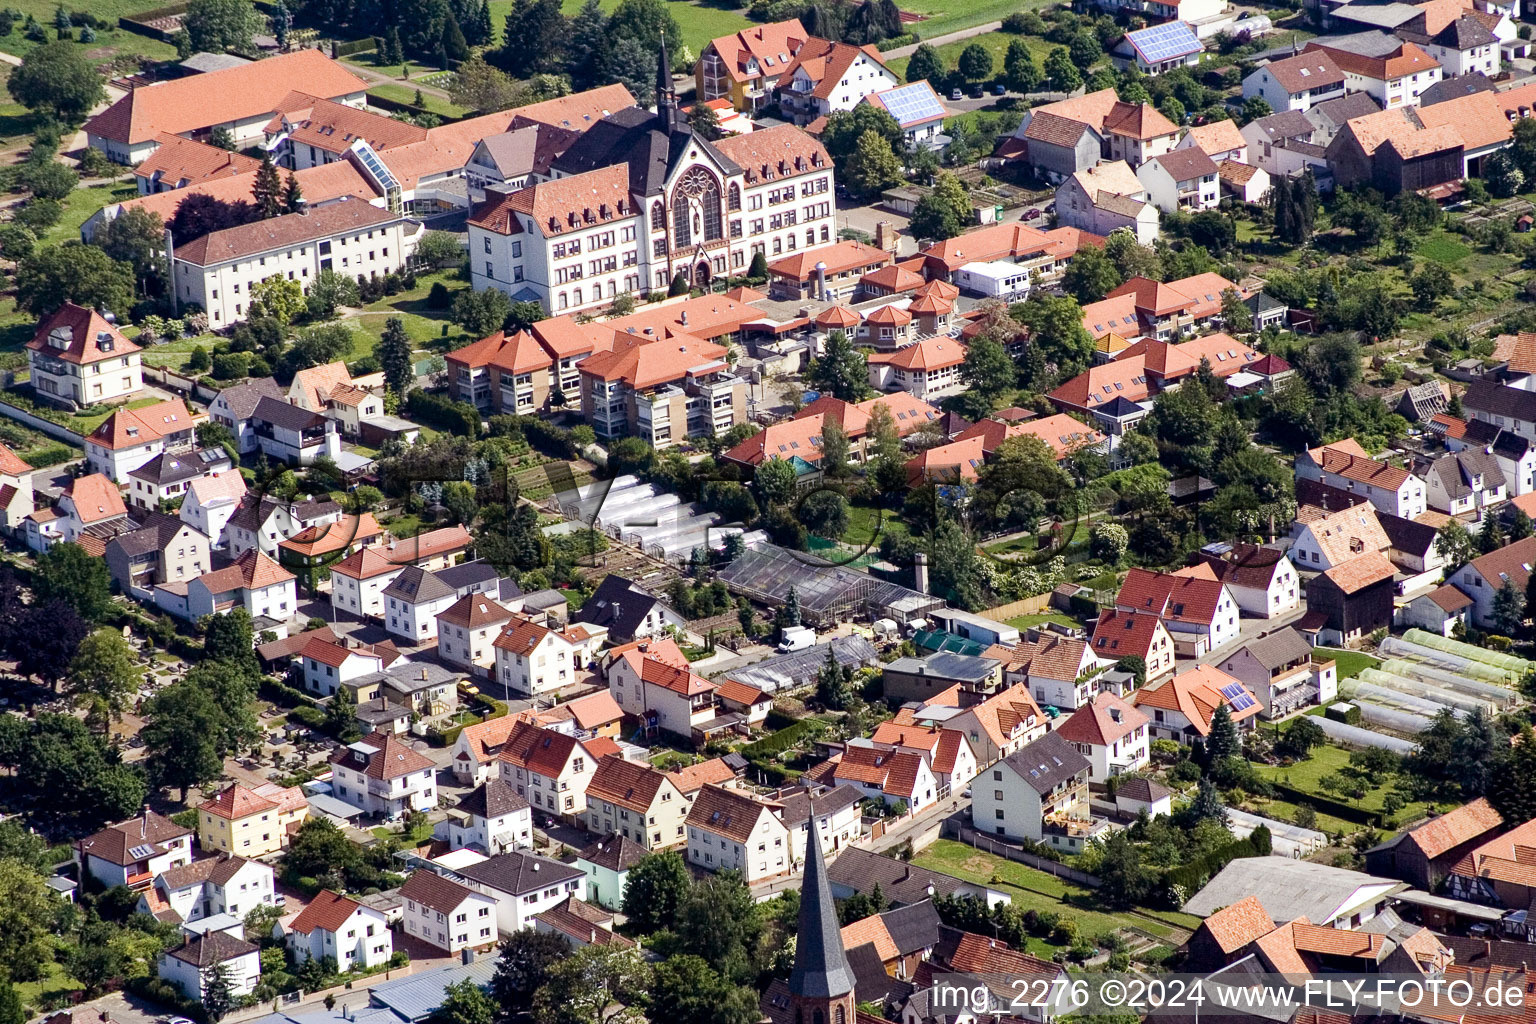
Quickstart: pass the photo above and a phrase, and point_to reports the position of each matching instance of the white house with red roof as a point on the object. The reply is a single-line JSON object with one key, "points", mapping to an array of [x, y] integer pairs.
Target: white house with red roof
{"points": [[550, 769], [889, 774], [1346, 465], [129, 438], [1059, 670], [359, 580], [534, 659], [87, 501], [950, 755], [1181, 708], [745, 700], [79, 359], [826, 77], [336, 926], [444, 914], [222, 884], [133, 852], [1134, 634], [929, 369], [1111, 733], [382, 776], [475, 751], [330, 662], [467, 631], [651, 680], [253, 582], [1199, 613], [16, 494]]}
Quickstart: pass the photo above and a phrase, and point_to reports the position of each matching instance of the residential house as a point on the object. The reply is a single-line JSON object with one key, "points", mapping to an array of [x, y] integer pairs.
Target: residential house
{"points": [[651, 680], [319, 547], [635, 801], [467, 631], [824, 77], [549, 769], [745, 67], [1111, 734], [1200, 614], [858, 870], [908, 679], [383, 777], [234, 408], [1424, 855], [16, 493], [901, 939], [133, 852], [358, 582], [1481, 120], [350, 236], [491, 818], [1106, 197], [836, 814], [1354, 598], [412, 602], [1281, 671], [424, 687], [1329, 117], [329, 390], [1461, 41], [447, 915], [1181, 707], [254, 582], [998, 726], [1219, 140], [1494, 872], [1158, 48], [475, 752], [1059, 670], [1299, 82], [626, 611], [1129, 634], [88, 502], [535, 659], [1262, 580], [927, 370], [1282, 144], [1249, 184], [336, 926], [1439, 611], [503, 374], [166, 477], [1465, 483], [596, 714], [191, 966], [919, 111], [1516, 455], [262, 523], [748, 701], [128, 438], [1483, 577], [1185, 180], [580, 923], [896, 777], [1039, 793], [293, 435], [1101, 391], [159, 549], [523, 886], [328, 662], [1391, 72], [78, 358], [1047, 253], [607, 863], [251, 823], [222, 885], [210, 503], [1501, 405], [1333, 538], [728, 829], [1075, 134], [1346, 465]]}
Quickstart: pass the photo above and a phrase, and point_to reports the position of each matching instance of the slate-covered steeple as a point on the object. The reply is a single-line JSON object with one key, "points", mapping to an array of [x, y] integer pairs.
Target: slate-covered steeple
{"points": [[821, 983], [666, 98]]}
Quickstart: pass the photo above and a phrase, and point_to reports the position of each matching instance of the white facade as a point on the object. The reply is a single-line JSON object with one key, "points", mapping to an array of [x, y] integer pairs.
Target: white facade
{"points": [[104, 380], [469, 925], [996, 280], [243, 971], [363, 939], [275, 601], [545, 667], [1263, 84], [515, 911], [210, 516], [1202, 192], [415, 620], [361, 596], [1135, 213], [237, 894], [765, 853], [493, 835], [415, 791]]}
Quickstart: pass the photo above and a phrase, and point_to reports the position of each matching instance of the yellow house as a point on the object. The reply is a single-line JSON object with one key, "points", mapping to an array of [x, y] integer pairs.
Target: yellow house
{"points": [[637, 802], [250, 823]]}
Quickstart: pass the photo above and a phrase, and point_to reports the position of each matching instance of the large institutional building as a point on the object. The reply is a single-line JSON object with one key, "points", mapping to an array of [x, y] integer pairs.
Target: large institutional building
{"points": [[641, 198]]}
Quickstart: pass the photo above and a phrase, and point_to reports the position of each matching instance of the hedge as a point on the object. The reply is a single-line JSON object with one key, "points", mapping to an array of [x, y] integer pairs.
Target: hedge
{"points": [[280, 692], [1197, 872], [771, 746], [51, 454], [1325, 804], [312, 717], [167, 995], [444, 414], [353, 46], [895, 42]]}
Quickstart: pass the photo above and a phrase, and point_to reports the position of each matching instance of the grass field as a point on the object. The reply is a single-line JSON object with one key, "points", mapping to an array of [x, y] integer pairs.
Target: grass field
{"points": [[109, 41], [1443, 248], [87, 422], [1307, 775], [995, 43], [700, 20], [1038, 890], [1027, 621], [407, 94], [80, 204], [55, 982], [1350, 663]]}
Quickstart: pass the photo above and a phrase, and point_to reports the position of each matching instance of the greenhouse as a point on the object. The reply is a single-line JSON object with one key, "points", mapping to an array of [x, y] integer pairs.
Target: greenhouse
{"points": [[799, 668], [644, 516], [826, 593], [1518, 666], [1395, 647], [1418, 688], [1347, 735]]}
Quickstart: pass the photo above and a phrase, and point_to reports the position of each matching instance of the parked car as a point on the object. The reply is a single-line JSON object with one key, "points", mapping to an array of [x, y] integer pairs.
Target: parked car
{"points": [[956, 94], [1000, 90], [1033, 213]]}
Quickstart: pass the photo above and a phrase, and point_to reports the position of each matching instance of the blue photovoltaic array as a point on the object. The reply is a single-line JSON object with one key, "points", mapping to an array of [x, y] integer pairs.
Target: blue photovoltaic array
{"points": [[1235, 694], [1164, 42], [911, 103]]}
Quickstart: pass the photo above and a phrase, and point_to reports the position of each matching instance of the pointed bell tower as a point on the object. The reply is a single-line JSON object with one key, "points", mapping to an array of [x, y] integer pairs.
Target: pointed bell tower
{"points": [[821, 983], [666, 98]]}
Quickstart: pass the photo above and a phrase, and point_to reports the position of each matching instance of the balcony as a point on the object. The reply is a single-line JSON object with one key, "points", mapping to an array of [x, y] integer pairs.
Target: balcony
{"points": [[49, 365]]}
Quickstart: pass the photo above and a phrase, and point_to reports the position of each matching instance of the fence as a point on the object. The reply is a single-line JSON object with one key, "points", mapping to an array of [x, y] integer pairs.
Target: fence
{"points": [[1036, 605], [1001, 848], [180, 384], [57, 431]]}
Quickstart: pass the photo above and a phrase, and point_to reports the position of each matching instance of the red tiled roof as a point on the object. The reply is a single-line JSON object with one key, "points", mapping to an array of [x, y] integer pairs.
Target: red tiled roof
{"points": [[1196, 694], [83, 337], [1181, 598], [328, 911], [1096, 722], [1234, 926], [236, 803]]}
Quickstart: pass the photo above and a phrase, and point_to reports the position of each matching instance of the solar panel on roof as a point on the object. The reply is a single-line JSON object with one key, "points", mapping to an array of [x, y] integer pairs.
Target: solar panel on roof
{"points": [[1165, 42], [911, 103]]}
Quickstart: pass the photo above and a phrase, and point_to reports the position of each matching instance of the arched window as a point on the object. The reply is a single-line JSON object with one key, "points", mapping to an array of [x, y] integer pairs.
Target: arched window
{"points": [[682, 233], [658, 216], [819, 1018], [699, 190], [840, 1016], [733, 197]]}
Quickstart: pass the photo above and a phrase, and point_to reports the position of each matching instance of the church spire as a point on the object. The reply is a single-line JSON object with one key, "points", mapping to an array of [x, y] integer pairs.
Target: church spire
{"points": [[666, 99], [821, 976]]}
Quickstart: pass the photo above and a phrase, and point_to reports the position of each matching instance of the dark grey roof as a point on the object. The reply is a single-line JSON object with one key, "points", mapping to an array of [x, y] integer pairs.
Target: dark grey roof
{"points": [[1335, 112], [1288, 124], [168, 468], [616, 853], [821, 968], [870, 982], [415, 585], [1407, 535], [381, 710], [1464, 33], [1279, 648], [1262, 302], [1047, 763], [212, 948], [960, 667], [1372, 42], [800, 805], [492, 799], [1457, 472], [507, 589], [618, 604], [901, 882], [1451, 88], [913, 927], [242, 398], [1144, 790], [638, 138], [281, 414], [518, 873], [154, 532], [467, 577], [409, 676], [1118, 407], [254, 511]]}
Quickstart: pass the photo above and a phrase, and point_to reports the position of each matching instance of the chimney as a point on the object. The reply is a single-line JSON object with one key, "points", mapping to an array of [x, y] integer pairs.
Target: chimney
{"points": [[466, 956], [920, 572], [144, 823], [821, 279], [592, 938], [685, 318]]}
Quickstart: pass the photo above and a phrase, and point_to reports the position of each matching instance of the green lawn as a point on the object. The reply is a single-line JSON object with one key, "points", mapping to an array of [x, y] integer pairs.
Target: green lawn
{"points": [[995, 43], [1027, 621], [407, 94], [946, 16], [87, 422], [867, 524], [56, 982], [1443, 248], [1350, 663], [109, 41], [80, 204], [1307, 775], [700, 20], [1038, 890]]}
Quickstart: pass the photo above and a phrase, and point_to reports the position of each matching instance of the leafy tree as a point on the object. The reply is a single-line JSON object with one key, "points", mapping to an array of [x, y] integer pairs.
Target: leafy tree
{"points": [[465, 1002], [1090, 279], [523, 963], [686, 990], [11, 1009], [481, 313], [320, 847], [438, 249], [1235, 315], [104, 674], [277, 297], [1057, 332], [655, 887], [1060, 71], [775, 482], [1019, 70], [73, 271], [341, 715], [1429, 284], [975, 63], [533, 39], [872, 167], [944, 212], [57, 79], [29, 906], [1254, 108], [1212, 231], [1454, 545], [135, 237], [595, 985], [53, 631], [1123, 880], [1512, 785], [1136, 665], [705, 123], [48, 180], [989, 375], [841, 371], [181, 728], [485, 88], [330, 292], [846, 127], [67, 573], [719, 921], [200, 213], [679, 285], [825, 513], [394, 354], [219, 25], [925, 64], [954, 567]]}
